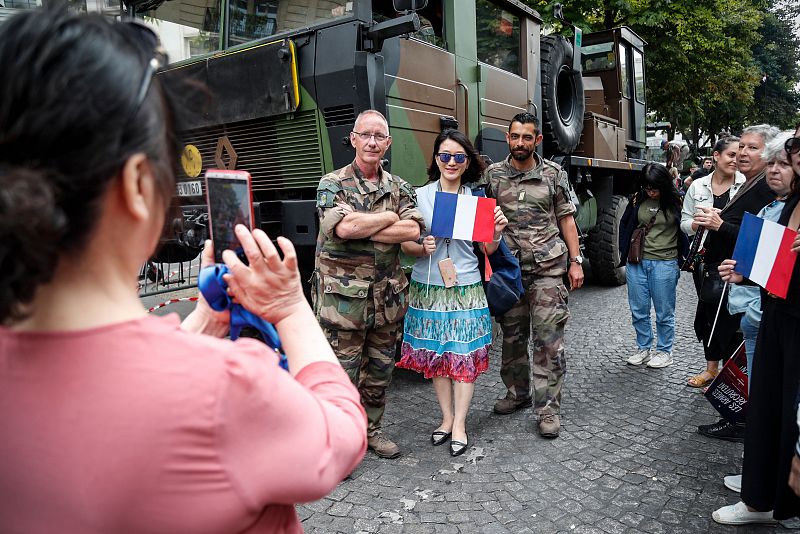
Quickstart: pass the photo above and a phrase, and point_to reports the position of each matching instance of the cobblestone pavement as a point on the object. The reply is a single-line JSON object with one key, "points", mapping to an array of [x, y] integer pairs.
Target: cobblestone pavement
{"points": [[629, 458]]}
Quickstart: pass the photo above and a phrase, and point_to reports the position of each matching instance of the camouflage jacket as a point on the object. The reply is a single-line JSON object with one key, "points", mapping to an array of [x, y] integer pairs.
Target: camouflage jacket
{"points": [[533, 202], [352, 272]]}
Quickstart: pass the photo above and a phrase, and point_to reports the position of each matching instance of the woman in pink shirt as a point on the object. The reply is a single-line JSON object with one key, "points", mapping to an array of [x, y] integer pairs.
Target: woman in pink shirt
{"points": [[113, 420]]}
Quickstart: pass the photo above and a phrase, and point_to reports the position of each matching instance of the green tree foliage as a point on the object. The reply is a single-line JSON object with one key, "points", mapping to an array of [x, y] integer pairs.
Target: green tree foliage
{"points": [[705, 59]]}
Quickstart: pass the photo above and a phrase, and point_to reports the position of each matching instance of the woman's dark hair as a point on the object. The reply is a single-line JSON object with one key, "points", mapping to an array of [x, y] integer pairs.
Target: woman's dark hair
{"points": [[476, 163], [723, 142], [72, 112], [657, 176]]}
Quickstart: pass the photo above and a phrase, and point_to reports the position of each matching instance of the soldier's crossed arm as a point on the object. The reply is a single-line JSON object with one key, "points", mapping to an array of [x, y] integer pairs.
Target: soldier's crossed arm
{"points": [[331, 204], [410, 222]]}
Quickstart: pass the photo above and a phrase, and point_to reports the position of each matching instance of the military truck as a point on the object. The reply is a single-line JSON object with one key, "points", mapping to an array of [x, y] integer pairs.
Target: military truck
{"points": [[285, 80]]}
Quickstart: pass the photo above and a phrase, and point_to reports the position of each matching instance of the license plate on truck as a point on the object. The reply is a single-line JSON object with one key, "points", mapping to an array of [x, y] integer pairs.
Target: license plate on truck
{"points": [[190, 189]]}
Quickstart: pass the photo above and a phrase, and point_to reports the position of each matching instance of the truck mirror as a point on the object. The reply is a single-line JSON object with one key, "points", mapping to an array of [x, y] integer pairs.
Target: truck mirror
{"points": [[402, 6]]}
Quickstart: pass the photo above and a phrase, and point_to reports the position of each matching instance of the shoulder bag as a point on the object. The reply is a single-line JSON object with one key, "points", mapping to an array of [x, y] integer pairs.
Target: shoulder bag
{"points": [[637, 240]]}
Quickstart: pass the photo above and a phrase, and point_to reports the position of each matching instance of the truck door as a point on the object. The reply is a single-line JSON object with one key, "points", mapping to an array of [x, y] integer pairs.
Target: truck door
{"points": [[507, 52], [421, 98]]}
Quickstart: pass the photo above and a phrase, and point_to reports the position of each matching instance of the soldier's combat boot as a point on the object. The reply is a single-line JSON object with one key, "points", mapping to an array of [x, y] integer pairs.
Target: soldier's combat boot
{"points": [[549, 425], [383, 446], [511, 404]]}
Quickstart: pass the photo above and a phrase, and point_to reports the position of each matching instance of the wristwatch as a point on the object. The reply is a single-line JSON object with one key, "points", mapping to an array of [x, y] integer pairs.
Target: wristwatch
{"points": [[577, 259]]}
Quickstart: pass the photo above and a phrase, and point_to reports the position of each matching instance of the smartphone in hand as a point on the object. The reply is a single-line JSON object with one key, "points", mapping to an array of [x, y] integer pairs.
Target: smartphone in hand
{"points": [[230, 202]]}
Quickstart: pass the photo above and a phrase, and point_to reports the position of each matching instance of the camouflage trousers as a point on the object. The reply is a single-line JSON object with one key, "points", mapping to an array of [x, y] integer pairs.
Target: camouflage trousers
{"points": [[544, 310], [367, 356]]}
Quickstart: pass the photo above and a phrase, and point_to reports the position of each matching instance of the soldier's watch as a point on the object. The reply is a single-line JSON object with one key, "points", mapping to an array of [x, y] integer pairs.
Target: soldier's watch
{"points": [[577, 259]]}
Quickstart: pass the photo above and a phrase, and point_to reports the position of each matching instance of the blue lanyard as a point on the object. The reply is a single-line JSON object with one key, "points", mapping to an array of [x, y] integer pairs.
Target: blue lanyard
{"points": [[215, 291]]}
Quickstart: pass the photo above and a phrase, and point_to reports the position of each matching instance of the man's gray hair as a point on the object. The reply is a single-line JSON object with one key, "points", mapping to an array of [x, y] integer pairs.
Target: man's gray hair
{"points": [[775, 148], [370, 112], [766, 131]]}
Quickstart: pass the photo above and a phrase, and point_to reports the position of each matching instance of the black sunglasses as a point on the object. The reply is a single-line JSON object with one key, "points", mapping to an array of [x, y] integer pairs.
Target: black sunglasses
{"points": [[792, 145], [157, 62], [444, 157]]}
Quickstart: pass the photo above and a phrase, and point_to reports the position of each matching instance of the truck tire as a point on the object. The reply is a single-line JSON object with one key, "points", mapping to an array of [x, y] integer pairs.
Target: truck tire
{"points": [[602, 245], [562, 97]]}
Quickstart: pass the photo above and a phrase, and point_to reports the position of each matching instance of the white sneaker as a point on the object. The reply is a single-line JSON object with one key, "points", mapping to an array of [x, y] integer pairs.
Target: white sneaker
{"points": [[738, 514], [661, 359], [643, 356], [733, 483]]}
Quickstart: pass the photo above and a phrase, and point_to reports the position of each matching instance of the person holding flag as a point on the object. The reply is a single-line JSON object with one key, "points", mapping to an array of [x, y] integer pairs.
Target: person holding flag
{"points": [[771, 430], [534, 192], [448, 330]]}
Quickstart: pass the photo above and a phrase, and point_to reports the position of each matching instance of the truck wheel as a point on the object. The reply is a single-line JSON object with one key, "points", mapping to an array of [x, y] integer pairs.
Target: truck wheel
{"points": [[562, 97], [602, 245]]}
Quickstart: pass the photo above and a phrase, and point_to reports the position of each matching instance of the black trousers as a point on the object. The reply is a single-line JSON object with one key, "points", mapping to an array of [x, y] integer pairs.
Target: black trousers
{"points": [[771, 430], [727, 337]]}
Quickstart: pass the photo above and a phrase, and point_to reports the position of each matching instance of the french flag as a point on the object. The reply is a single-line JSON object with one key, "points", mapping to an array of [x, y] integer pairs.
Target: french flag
{"points": [[763, 254], [463, 217]]}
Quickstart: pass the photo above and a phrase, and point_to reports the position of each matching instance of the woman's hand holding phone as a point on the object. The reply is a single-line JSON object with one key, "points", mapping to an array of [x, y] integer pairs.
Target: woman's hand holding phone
{"points": [[269, 286]]}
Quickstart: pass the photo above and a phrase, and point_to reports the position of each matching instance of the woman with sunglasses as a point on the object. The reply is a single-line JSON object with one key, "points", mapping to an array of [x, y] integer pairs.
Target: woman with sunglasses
{"points": [[654, 280], [713, 191], [771, 432], [448, 328], [113, 420]]}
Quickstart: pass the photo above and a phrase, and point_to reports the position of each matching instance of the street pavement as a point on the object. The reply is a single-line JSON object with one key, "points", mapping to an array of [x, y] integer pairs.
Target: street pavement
{"points": [[629, 458]]}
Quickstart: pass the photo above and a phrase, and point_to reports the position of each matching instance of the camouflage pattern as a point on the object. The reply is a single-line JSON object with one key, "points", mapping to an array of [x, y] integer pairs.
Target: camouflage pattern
{"points": [[544, 306], [359, 282], [367, 356], [533, 201], [359, 290]]}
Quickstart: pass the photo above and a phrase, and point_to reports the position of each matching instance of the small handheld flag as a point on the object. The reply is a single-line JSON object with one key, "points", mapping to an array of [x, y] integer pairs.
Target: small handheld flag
{"points": [[763, 254], [464, 217]]}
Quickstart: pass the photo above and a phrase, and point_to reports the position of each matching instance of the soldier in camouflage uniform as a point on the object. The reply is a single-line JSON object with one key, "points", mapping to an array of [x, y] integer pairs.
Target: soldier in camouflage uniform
{"points": [[533, 194], [360, 292]]}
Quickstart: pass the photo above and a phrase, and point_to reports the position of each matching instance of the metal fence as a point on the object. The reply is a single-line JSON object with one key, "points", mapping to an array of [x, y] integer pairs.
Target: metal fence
{"points": [[158, 278]]}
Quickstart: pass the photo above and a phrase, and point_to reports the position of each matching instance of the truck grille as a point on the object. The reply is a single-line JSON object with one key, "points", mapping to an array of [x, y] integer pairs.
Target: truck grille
{"points": [[339, 115], [278, 153]]}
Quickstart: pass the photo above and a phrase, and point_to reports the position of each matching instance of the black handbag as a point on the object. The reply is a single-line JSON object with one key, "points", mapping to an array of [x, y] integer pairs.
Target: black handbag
{"points": [[711, 285]]}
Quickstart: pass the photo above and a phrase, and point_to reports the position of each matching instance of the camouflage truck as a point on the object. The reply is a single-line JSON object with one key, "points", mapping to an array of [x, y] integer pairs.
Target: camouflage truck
{"points": [[286, 79]]}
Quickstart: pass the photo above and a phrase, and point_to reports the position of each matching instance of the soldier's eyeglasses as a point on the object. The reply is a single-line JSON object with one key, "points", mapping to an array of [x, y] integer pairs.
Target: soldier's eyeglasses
{"points": [[379, 137], [792, 145], [444, 157]]}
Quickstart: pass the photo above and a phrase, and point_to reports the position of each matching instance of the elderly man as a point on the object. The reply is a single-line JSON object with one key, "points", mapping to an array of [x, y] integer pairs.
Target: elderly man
{"points": [[532, 192], [360, 292], [724, 226]]}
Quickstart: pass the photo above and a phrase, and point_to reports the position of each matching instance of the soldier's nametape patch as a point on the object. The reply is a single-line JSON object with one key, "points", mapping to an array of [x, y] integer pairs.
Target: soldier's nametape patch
{"points": [[325, 199]]}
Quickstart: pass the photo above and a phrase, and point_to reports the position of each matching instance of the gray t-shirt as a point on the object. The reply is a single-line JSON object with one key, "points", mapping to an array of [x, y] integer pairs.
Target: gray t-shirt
{"points": [[460, 251]]}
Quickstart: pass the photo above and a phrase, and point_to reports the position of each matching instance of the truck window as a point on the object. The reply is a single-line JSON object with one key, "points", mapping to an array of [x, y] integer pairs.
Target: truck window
{"points": [[624, 72], [187, 28], [599, 56], [498, 36], [255, 19], [638, 75]]}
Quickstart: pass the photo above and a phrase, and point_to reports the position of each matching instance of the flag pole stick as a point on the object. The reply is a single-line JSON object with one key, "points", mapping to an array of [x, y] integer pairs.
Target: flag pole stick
{"points": [[719, 307], [428, 286]]}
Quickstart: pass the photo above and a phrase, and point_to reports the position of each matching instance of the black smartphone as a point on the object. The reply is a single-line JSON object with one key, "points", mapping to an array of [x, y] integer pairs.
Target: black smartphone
{"points": [[230, 202]]}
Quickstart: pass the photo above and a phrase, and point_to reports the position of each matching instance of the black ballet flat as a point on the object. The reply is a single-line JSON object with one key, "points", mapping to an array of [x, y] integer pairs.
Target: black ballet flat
{"points": [[439, 437], [457, 448]]}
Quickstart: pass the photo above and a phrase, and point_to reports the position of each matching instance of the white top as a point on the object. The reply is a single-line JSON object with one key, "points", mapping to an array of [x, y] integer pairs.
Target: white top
{"points": [[700, 194], [460, 251]]}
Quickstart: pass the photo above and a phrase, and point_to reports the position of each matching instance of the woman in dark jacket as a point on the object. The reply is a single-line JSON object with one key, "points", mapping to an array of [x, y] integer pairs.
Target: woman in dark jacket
{"points": [[772, 431], [653, 280]]}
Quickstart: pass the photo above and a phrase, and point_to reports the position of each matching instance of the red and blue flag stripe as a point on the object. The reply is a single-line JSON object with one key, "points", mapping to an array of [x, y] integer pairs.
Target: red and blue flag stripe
{"points": [[763, 254], [464, 217]]}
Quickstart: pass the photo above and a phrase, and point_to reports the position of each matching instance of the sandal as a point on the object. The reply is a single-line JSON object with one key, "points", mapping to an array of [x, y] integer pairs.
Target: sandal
{"points": [[702, 380]]}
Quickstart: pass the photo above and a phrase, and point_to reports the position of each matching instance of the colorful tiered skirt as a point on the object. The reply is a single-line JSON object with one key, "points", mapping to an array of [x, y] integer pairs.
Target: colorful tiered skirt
{"points": [[447, 332]]}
